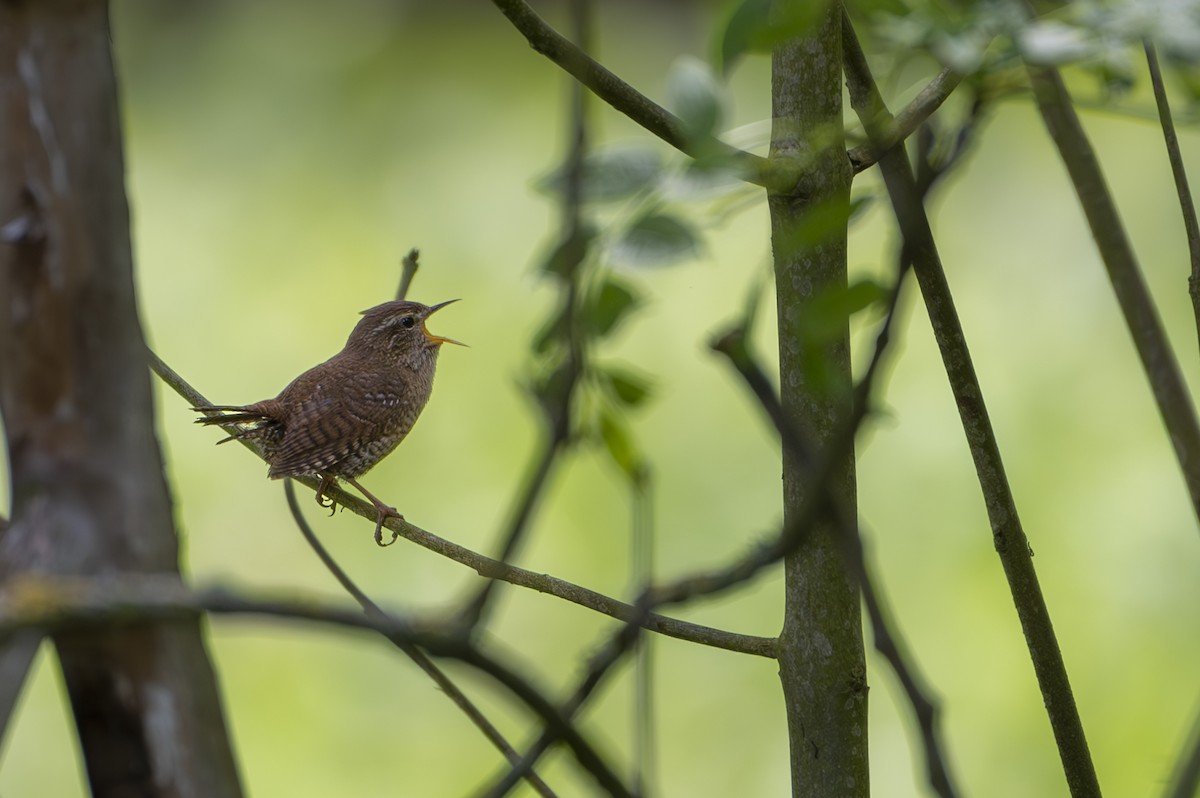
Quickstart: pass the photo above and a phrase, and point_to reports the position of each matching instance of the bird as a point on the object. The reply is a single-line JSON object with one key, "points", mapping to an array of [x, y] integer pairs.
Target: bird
{"points": [[340, 418]]}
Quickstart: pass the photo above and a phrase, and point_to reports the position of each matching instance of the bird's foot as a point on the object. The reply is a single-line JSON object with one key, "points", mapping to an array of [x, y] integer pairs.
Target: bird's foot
{"points": [[322, 499], [385, 513]]}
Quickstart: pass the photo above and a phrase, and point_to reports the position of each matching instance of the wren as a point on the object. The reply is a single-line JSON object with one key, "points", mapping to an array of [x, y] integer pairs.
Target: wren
{"points": [[338, 419]]}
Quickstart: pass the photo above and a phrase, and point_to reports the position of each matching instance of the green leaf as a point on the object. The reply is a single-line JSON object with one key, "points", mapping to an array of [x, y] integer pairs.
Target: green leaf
{"points": [[746, 24], [608, 305], [819, 224], [655, 239], [695, 96], [553, 330], [565, 258], [753, 28], [618, 440], [610, 175], [826, 316], [627, 387]]}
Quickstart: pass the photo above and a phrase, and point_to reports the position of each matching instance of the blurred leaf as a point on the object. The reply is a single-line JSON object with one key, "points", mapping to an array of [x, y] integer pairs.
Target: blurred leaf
{"points": [[629, 388], [608, 305], [745, 24], [819, 224], [565, 258], [656, 239], [1050, 42], [554, 329], [826, 316], [705, 179], [551, 387], [695, 96], [610, 175], [751, 28], [618, 440]]}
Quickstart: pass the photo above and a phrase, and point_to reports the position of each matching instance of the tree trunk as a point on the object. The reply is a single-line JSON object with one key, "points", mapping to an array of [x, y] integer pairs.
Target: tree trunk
{"points": [[89, 494], [821, 661]]}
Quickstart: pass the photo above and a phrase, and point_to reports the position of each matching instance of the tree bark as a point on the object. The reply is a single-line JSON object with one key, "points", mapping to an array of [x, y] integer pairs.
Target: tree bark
{"points": [[821, 660], [89, 494]]}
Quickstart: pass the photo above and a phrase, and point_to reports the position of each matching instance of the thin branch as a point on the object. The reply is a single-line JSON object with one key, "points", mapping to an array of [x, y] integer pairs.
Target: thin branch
{"points": [[1141, 317], [447, 686], [1008, 535], [927, 101], [52, 604], [488, 567], [1186, 205], [408, 270], [544, 39]]}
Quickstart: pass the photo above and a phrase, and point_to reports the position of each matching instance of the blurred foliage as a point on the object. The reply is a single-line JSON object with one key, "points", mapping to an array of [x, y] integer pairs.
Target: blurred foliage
{"points": [[283, 156]]}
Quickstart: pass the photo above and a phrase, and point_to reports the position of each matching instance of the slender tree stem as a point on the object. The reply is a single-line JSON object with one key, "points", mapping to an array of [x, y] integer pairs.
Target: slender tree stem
{"points": [[822, 664], [1008, 534]]}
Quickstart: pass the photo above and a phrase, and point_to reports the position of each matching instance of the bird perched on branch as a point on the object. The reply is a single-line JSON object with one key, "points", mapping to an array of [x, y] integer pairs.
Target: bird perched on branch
{"points": [[338, 419]]}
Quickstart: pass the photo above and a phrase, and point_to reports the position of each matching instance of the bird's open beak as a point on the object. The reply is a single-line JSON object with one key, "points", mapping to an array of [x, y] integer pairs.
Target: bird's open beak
{"points": [[437, 339]]}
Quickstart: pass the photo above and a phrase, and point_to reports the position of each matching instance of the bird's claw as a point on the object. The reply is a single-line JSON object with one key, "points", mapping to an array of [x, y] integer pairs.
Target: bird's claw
{"points": [[384, 514]]}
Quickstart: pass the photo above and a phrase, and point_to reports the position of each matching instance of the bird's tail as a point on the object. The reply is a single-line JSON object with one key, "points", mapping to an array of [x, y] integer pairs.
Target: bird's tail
{"points": [[236, 414]]}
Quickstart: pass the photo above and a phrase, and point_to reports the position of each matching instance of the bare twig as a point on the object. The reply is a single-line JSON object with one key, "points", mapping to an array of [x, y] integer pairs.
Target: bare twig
{"points": [[486, 566], [1179, 172], [408, 269], [447, 686], [54, 604], [1008, 535]]}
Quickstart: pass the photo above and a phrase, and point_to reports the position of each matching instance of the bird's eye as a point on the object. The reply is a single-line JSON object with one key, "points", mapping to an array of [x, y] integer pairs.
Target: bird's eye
{"points": [[407, 322]]}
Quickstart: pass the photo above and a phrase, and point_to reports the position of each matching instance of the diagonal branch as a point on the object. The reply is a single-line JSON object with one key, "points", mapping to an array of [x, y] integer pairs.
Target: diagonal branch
{"points": [[494, 569]]}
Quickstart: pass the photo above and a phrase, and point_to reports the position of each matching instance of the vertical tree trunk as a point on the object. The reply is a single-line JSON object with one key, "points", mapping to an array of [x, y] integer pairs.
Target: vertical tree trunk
{"points": [[821, 660], [89, 493]]}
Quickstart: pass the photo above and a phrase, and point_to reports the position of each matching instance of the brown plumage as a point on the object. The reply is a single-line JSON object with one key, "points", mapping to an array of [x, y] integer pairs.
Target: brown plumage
{"points": [[338, 419]]}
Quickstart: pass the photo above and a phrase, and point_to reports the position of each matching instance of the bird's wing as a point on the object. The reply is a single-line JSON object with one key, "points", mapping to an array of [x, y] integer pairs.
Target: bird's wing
{"points": [[325, 428]]}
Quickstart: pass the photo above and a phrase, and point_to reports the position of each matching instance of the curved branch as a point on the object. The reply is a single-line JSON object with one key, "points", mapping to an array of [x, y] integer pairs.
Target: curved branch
{"points": [[494, 569], [53, 604]]}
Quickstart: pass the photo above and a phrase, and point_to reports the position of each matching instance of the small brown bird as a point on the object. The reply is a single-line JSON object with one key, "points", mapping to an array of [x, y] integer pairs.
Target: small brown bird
{"points": [[342, 417]]}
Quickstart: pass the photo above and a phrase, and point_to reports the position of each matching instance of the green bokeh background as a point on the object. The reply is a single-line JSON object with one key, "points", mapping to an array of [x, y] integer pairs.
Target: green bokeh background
{"points": [[283, 156]]}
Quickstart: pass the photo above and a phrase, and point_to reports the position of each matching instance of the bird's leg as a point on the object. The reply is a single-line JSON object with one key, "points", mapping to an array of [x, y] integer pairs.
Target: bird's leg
{"points": [[385, 512], [327, 480]]}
